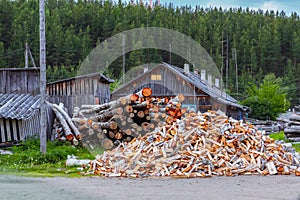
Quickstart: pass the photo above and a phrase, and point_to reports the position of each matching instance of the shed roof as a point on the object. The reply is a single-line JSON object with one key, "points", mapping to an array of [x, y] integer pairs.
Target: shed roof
{"points": [[213, 91], [18, 106], [101, 78]]}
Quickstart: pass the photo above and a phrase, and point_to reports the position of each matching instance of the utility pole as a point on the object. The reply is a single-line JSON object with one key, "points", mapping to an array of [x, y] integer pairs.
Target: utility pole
{"points": [[123, 46], [222, 66], [170, 53], [227, 58], [26, 55], [234, 57], [43, 117]]}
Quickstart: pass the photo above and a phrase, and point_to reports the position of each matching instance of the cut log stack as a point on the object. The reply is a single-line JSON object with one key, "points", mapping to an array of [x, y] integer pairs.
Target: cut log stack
{"points": [[292, 130], [269, 127], [198, 145], [65, 129], [107, 125]]}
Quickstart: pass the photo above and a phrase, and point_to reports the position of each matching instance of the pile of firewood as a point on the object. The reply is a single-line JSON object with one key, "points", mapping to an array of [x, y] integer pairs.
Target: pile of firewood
{"points": [[292, 130], [107, 125], [198, 145]]}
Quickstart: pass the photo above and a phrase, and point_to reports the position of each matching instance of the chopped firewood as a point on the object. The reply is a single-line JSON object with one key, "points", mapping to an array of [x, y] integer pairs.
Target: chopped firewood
{"points": [[198, 146], [271, 167], [157, 137]]}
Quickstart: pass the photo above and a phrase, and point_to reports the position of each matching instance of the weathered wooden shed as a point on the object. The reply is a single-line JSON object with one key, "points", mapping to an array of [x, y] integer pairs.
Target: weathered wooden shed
{"points": [[20, 104], [19, 80], [20, 117], [200, 93], [76, 91]]}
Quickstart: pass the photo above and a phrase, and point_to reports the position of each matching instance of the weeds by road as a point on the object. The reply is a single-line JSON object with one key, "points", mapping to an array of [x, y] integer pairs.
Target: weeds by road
{"points": [[28, 160]]}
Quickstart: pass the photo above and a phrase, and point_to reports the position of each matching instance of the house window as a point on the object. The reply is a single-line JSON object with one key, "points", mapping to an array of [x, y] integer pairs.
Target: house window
{"points": [[155, 77]]}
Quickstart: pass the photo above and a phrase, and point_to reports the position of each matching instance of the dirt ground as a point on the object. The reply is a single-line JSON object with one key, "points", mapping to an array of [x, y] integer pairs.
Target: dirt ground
{"points": [[239, 187]]}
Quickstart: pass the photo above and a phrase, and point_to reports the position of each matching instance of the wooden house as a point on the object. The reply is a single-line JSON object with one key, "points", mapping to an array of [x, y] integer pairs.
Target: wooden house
{"points": [[76, 91], [200, 93], [20, 104]]}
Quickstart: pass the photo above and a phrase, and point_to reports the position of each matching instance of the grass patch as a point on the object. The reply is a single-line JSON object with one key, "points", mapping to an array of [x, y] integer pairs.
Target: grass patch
{"points": [[28, 160], [280, 136], [297, 147]]}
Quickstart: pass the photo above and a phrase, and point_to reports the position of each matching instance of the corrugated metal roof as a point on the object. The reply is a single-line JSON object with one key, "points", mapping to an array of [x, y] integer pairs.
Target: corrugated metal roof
{"points": [[18, 106]]}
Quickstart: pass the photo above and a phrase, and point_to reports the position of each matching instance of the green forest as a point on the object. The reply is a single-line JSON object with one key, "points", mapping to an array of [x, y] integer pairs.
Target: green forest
{"points": [[265, 42]]}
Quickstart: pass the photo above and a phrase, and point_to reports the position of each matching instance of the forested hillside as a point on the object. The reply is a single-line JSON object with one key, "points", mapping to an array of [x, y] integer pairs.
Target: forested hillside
{"points": [[265, 41]]}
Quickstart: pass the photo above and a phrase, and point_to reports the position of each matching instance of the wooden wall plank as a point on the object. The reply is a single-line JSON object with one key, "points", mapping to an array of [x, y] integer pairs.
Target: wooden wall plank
{"points": [[15, 130], [21, 129], [19, 79], [26, 128], [3, 81], [95, 87], [8, 132], [68, 88], [2, 131], [36, 121], [24, 81], [31, 127], [7, 89]]}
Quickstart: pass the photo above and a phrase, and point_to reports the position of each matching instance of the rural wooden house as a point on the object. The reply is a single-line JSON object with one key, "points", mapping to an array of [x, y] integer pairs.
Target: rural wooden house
{"points": [[19, 104], [200, 94], [76, 91]]}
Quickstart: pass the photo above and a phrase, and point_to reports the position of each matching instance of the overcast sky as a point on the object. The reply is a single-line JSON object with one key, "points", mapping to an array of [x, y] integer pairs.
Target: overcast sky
{"points": [[288, 6]]}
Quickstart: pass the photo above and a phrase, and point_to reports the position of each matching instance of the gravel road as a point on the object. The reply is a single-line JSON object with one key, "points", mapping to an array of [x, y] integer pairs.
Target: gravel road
{"points": [[90, 188]]}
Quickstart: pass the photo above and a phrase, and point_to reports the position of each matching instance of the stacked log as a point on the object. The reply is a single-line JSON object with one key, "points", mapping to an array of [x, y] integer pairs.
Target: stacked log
{"points": [[269, 127], [65, 129], [292, 130], [198, 145], [107, 125]]}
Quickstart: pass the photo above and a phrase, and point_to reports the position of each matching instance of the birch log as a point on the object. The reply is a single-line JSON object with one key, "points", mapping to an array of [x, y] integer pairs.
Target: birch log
{"points": [[67, 130], [68, 119]]}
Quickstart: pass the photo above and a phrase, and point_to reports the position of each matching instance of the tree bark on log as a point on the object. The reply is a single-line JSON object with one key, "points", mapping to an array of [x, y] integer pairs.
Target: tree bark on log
{"points": [[107, 115], [295, 118], [68, 119], [120, 102], [291, 131], [107, 125], [66, 128]]}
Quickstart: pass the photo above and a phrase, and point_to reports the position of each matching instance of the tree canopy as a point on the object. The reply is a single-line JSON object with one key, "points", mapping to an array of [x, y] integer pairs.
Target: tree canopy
{"points": [[268, 99]]}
